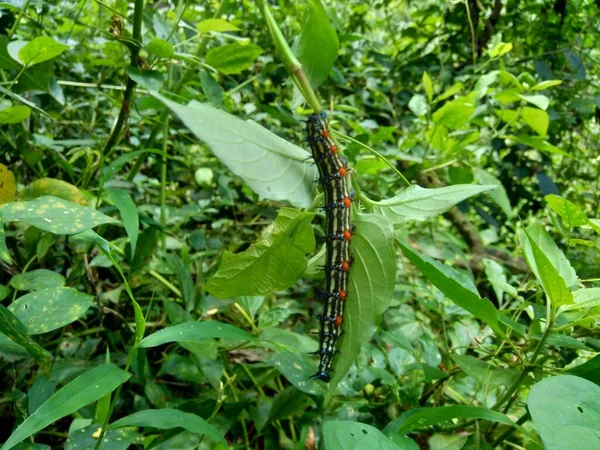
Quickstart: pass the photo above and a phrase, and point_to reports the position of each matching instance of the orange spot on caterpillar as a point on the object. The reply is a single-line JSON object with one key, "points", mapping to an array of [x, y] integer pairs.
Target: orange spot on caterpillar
{"points": [[342, 295], [347, 202], [342, 171], [345, 266], [347, 235], [333, 148], [338, 321], [325, 133]]}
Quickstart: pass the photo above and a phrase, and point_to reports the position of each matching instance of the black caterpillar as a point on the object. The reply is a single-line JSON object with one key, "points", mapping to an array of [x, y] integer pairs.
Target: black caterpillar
{"points": [[338, 201]]}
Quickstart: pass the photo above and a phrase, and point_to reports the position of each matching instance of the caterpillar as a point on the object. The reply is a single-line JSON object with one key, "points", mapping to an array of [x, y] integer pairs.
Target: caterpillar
{"points": [[338, 201]]}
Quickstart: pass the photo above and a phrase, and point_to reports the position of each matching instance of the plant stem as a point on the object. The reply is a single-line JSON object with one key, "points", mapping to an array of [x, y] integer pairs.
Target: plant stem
{"points": [[163, 180], [510, 430], [114, 137]]}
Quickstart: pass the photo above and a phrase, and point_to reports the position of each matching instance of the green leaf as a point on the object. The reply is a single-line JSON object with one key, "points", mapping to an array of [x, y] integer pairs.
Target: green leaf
{"points": [[590, 370], [150, 79], [500, 49], [233, 58], [371, 287], [455, 113], [129, 214], [166, 418], [539, 144], [14, 114], [569, 212], [536, 119], [428, 85], [297, 368], [317, 46], [160, 48], [546, 84], [452, 90], [499, 194], [566, 412], [417, 203], [39, 50], [484, 372], [422, 417], [118, 163], [554, 285], [195, 331], [8, 185], [211, 88], [541, 101], [497, 278], [14, 47], [6, 61], [273, 264], [48, 309], [54, 215], [418, 105], [37, 279], [4, 253], [83, 390], [551, 251], [53, 187], [352, 435], [287, 403], [219, 25], [12, 327], [272, 167], [456, 286], [185, 282]]}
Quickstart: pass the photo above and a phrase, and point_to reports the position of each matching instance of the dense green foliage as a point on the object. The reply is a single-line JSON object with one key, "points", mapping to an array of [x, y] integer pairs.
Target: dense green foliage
{"points": [[161, 237]]}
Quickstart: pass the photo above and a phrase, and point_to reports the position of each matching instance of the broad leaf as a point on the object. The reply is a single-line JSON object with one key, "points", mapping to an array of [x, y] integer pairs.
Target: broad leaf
{"points": [[4, 253], [566, 412], [298, 369], [166, 418], [83, 390], [36, 280], [48, 309], [455, 286], [12, 327], [371, 286], [569, 212], [149, 79], [8, 185], [541, 101], [536, 119], [273, 264], [484, 372], [14, 114], [422, 417], [195, 331], [54, 215], [499, 194], [39, 50], [317, 47], [546, 84], [219, 25], [589, 370], [551, 251], [428, 86], [233, 58], [456, 113], [417, 203], [554, 286], [160, 47], [272, 167], [53, 187], [352, 435]]}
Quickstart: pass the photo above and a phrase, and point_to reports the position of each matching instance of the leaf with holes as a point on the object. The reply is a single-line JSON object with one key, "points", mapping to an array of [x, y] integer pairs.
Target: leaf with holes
{"points": [[352, 435], [49, 309], [577, 426], [417, 203], [54, 215], [272, 167]]}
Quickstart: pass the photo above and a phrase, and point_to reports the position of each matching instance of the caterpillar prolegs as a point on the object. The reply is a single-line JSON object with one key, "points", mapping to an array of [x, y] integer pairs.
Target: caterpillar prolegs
{"points": [[338, 200]]}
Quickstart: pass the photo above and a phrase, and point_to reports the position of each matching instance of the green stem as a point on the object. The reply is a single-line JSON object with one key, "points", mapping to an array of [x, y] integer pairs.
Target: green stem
{"points": [[115, 134], [289, 59], [18, 20], [163, 181], [510, 430]]}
